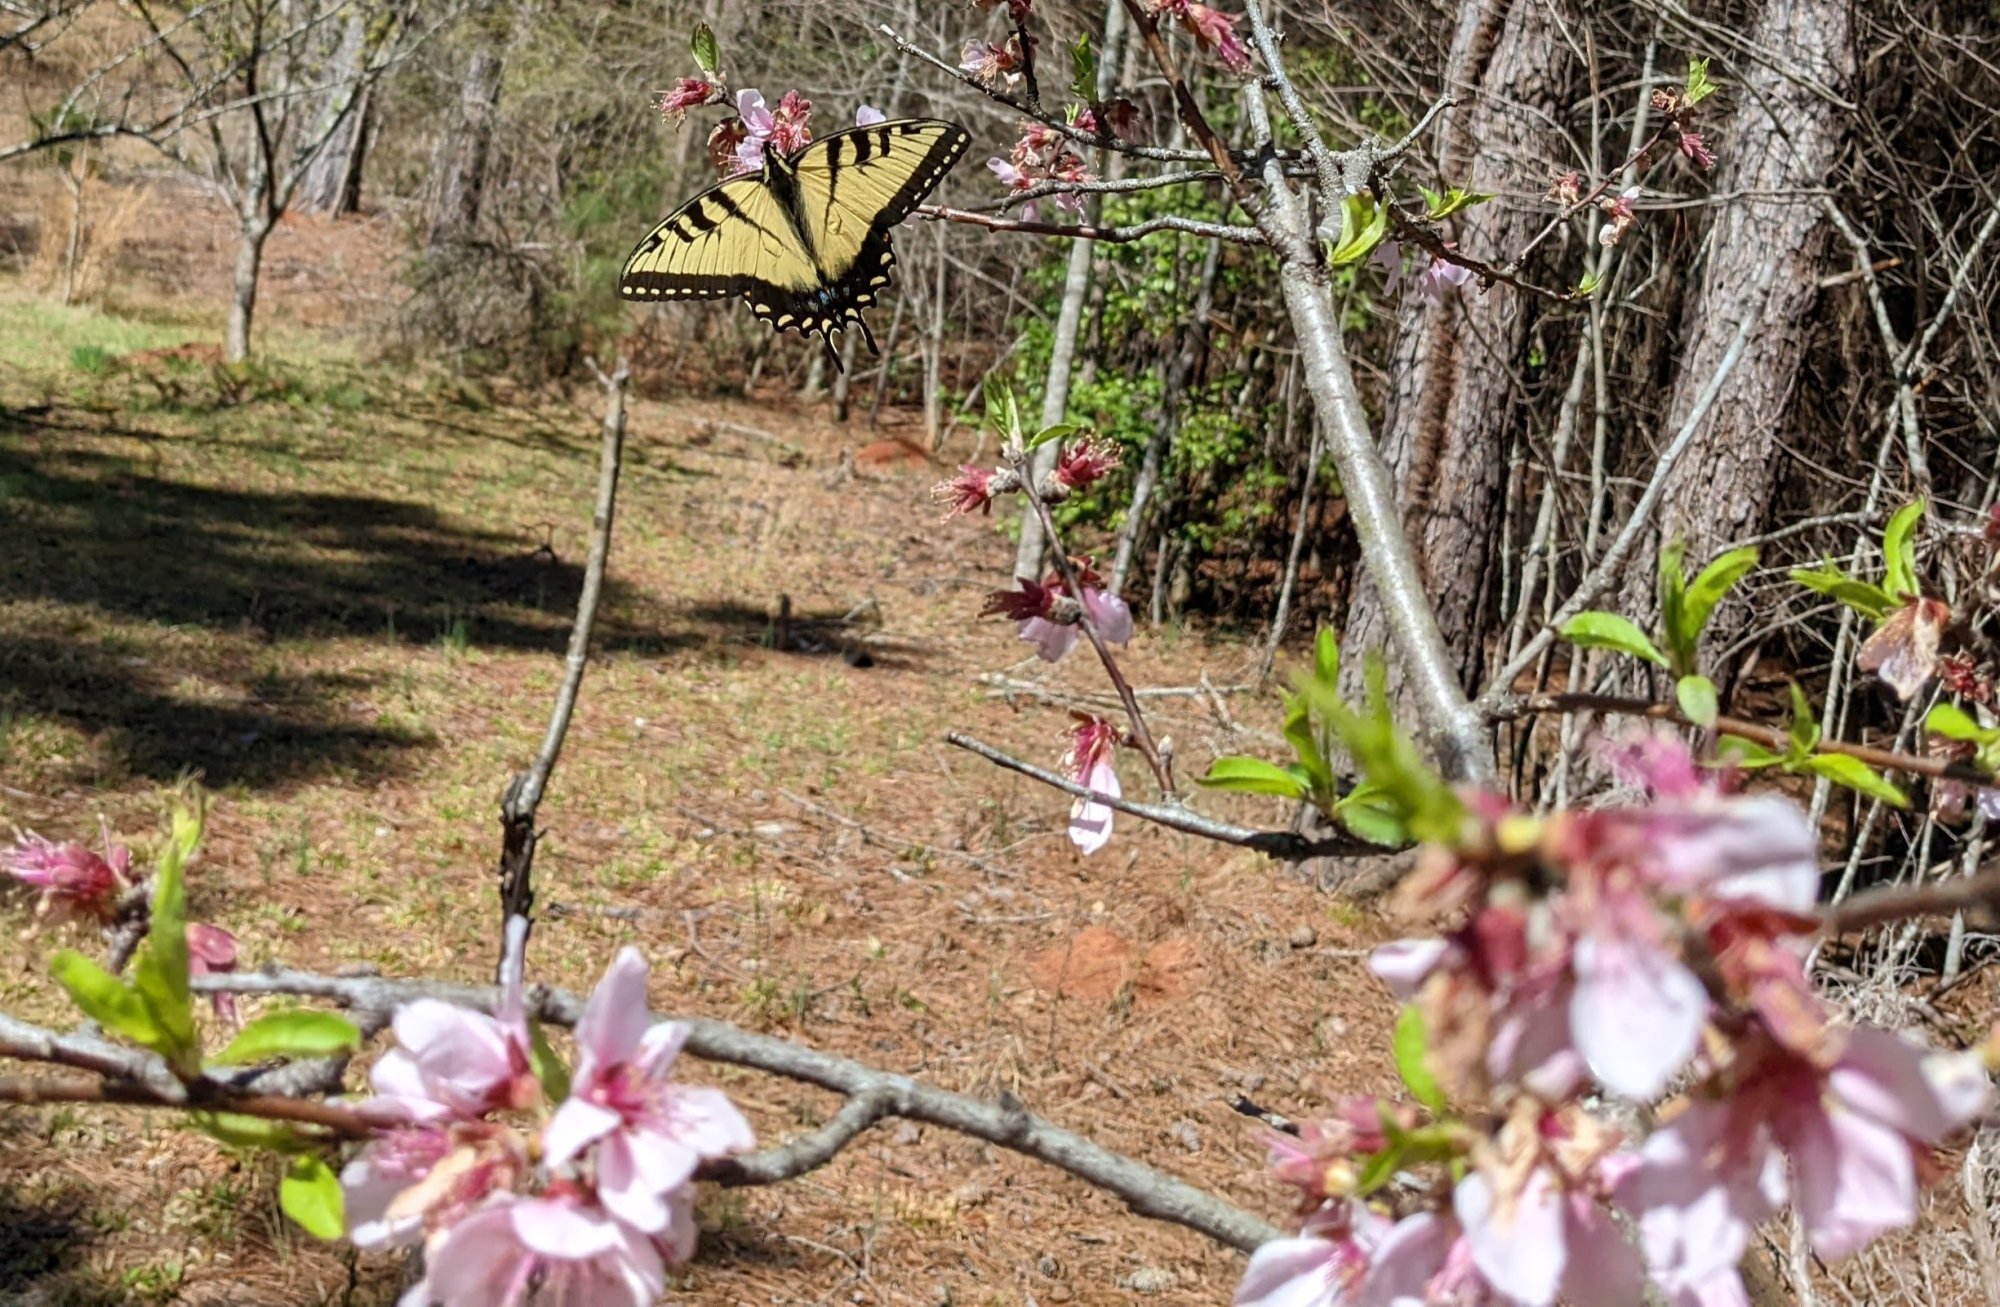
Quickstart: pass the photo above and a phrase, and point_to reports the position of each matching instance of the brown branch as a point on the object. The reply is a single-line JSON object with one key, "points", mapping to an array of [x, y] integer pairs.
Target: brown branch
{"points": [[1769, 736], [1191, 115], [1005, 1122], [341, 1121], [1902, 902], [1284, 845]]}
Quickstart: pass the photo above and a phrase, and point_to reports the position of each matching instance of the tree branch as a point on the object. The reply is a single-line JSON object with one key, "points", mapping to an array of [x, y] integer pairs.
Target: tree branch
{"points": [[1005, 1122], [1284, 845], [1087, 232], [524, 794]]}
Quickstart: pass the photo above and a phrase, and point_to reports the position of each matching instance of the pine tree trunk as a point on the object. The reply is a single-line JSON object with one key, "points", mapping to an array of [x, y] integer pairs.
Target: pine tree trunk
{"points": [[1454, 401], [460, 172], [1778, 150]]}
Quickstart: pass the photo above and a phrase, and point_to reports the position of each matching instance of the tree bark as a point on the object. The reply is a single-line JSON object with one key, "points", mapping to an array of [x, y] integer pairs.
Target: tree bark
{"points": [[332, 183], [1454, 404], [1779, 148], [250, 238], [460, 172]]}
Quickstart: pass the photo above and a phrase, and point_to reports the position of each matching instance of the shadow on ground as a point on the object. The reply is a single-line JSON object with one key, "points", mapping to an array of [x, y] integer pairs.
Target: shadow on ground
{"points": [[43, 1252]]}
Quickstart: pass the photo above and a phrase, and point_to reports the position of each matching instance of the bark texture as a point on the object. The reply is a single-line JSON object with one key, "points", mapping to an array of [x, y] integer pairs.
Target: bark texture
{"points": [[332, 182], [1455, 401], [1781, 145], [460, 171]]}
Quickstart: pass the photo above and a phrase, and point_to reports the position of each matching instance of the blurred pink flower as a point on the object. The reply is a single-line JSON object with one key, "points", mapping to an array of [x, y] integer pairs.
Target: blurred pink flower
{"points": [[991, 65], [1903, 651], [1093, 746], [868, 115], [688, 93], [415, 1182], [647, 1132], [1209, 27], [1696, 150], [212, 951], [69, 876], [455, 1063], [1621, 216], [558, 1247], [1543, 1241], [1437, 280], [1566, 188]]}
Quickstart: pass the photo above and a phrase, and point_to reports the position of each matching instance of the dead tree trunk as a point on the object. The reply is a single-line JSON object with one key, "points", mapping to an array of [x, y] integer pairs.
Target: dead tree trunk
{"points": [[1454, 401], [1778, 150], [332, 184], [460, 171]]}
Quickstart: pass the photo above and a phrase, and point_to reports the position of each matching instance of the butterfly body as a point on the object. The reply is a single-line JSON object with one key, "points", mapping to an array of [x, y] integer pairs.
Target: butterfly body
{"points": [[805, 241]]}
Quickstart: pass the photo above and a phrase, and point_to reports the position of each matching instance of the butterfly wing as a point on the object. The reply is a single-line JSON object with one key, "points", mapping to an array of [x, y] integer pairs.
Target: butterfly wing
{"points": [[853, 188], [732, 239], [807, 241]]}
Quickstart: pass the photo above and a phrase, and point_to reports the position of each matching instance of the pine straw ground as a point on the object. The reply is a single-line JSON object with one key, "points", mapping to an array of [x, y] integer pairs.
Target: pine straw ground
{"points": [[324, 595]]}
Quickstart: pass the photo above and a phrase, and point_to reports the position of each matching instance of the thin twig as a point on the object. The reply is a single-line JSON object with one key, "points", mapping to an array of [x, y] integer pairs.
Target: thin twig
{"points": [[1083, 231], [524, 794], [1284, 845]]}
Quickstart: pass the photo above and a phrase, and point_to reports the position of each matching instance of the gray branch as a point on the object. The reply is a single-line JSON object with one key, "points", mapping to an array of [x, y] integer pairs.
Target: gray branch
{"points": [[876, 1094]]}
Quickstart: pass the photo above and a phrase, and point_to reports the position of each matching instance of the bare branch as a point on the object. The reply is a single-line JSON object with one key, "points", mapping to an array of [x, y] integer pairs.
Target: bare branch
{"points": [[1086, 232]]}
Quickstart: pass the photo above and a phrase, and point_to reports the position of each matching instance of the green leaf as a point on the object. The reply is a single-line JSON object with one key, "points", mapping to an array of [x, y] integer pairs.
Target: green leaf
{"points": [[160, 969], [547, 1064], [1252, 776], [1304, 739], [1326, 657], [1856, 775], [1438, 206], [1003, 410], [105, 999], [1899, 552], [240, 1131], [1954, 723], [1698, 87], [1060, 431], [1697, 698], [1378, 1170], [302, 1033], [1747, 754], [1370, 814], [1082, 69], [1411, 1045], [1597, 630], [1707, 591], [310, 1195], [1363, 223], [1589, 285], [1871, 601], [706, 56], [1804, 730], [1672, 590]]}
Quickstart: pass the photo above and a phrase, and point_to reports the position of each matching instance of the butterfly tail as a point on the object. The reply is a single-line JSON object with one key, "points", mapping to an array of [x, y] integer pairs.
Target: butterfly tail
{"points": [[867, 336], [826, 339]]}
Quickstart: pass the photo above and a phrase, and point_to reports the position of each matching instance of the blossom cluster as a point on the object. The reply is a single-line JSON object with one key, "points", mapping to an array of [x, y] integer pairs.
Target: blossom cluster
{"points": [[1046, 614], [1042, 155], [1211, 28], [1630, 950], [73, 881], [586, 1199]]}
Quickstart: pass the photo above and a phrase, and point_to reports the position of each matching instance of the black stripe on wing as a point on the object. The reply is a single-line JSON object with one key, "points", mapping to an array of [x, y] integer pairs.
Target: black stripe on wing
{"points": [[831, 307], [882, 141], [689, 225]]}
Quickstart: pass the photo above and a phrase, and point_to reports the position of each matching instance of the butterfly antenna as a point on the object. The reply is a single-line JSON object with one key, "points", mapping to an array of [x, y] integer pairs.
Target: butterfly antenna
{"points": [[826, 339]]}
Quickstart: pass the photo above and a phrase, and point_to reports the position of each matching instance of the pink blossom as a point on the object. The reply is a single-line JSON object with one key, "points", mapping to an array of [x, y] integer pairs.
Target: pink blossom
{"points": [[414, 1182], [1093, 746], [992, 65], [1437, 280], [1083, 463], [1016, 180], [647, 1133], [1046, 617], [1388, 256], [784, 130], [211, 952], [1621, 216], [1566, 188], [688, 93], [558, 1248], [970, 490], [1322, 1265], [1118, 117], [1544, 1240], [1696, 150], [454, 1063], [790, 131], [1109, 614], [1635, 1011], [70, 876], [868, 115], [1217, 31], [1903, 651], [1693, 1212]]}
